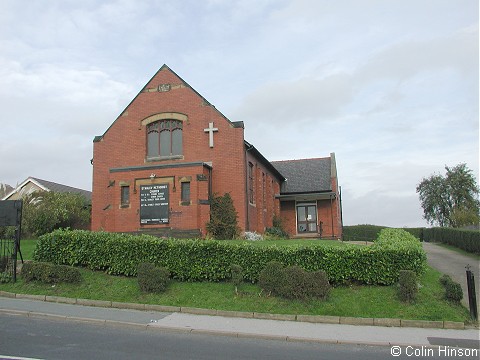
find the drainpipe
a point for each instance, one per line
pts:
(331, 215)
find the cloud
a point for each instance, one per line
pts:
(380, 209)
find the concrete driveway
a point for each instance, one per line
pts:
(452, 263)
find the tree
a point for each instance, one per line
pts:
(450, 200)
(46, 211)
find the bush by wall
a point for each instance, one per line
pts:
(152, 278)
(50, 273)
(468, 240)
(223, 224)
(207, 260)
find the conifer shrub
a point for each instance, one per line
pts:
(408, 288)
(223, 224)
(50, 273)
(152, 278)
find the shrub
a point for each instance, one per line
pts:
(152, 278)
(277, 230)
(445, 279)
(44, 211)
(408, 287)
(223, 224)
(270, 278)
(453, 290)
(317, 284)
(293, 283)
(50, 273)
(236, 276)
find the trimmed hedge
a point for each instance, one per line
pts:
(371, 232)
(468, 240)
(361, 232)
(208, 260)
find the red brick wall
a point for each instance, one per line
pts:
(124, 145)
(266, 186)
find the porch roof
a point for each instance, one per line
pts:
(327, 195)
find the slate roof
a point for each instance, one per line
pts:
(305, 176)
(52, 186)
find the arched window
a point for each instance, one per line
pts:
(164, 138)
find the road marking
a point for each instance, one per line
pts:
(4, 357)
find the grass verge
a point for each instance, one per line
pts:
(355, 301)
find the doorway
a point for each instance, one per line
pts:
(307, 218)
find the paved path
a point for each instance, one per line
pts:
(453, 263)
(241, 327)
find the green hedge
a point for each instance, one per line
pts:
(208, 260)
(361, 232)
(468, 240)
(370, 232)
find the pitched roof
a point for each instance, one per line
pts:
(305, 175)
(52, 186)
(165, 67)
(55, 187)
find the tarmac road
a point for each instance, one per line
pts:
(453, 263)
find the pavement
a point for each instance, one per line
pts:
(242, 327)
(453, 263)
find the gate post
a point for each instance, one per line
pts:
(472, 295)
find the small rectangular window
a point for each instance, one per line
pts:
(185, 193)
(124, 196)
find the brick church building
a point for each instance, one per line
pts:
(156, 166)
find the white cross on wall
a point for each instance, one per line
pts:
(210, 131)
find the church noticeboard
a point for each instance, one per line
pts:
(154, 204)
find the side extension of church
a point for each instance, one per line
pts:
(156, 166)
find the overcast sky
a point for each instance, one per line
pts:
(390, 86)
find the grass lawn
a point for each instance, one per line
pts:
(356, 301)
(26, 247)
